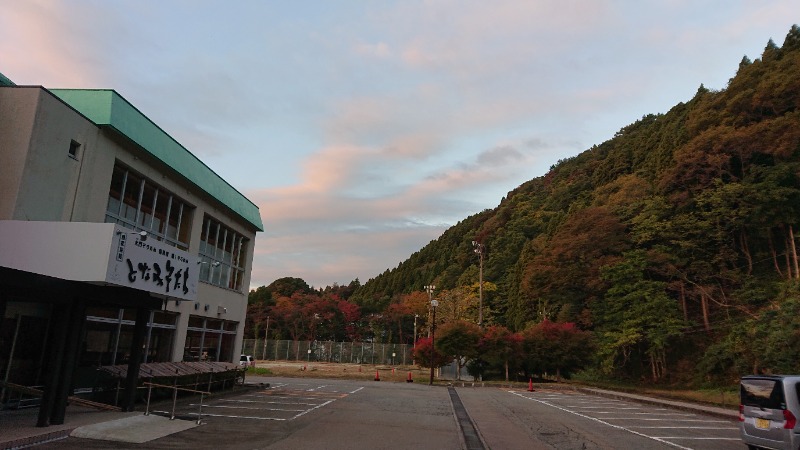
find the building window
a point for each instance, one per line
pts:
(74, 148)
(222, 255)
(139, 204)
(109, 333)
(209, 340)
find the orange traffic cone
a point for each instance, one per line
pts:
(409, 380)
(530, 384)
(377, 376)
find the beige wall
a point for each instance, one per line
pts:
(19, 104)
(50, 175)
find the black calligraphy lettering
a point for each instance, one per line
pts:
(169, 271)
(178, 279)
(185, 278)
(144, 269)
(157, 275)
(131, 271)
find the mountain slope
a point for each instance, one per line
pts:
(685, 217)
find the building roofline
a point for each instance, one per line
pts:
(107, 108)
(4, 81)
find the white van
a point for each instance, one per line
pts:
(768, 412)
(247, 361)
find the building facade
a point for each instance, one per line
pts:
(117, 245)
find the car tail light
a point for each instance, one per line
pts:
(791, 420)
(741, 412)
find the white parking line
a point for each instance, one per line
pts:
(266, 402)
(289, 397)
(309, 410)
(643, 413)
(682, 428)
(702, 438)
(663, 441)
(607, 407)
(671, 420)
(242, 417)
(271, 403)
(253, 409)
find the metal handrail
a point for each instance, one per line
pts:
(175, 390)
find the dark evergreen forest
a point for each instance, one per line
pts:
(672, 245)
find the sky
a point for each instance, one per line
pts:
(364, 129)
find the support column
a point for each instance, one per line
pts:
(72, 347)
(58, 338)
(137, 344)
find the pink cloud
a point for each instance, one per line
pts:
(44, 42)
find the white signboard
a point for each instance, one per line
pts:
(142, 262)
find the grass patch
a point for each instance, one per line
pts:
(259, 371)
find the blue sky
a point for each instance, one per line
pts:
(364, 129)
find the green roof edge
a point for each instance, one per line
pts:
(4, 81)
(106, 107)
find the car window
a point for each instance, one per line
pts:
(797, 389)
(243, 358)
(763, 393)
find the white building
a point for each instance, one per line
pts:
(117, 245)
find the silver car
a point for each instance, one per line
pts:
(768, 411)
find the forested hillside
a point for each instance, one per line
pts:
(666, 253)
(674, 242)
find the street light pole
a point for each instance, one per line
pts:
(434, 304)
(414, 342)
(479, 248)
(430, 288)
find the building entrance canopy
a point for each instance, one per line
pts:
(99, 253)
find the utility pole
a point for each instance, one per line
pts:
(479, 249)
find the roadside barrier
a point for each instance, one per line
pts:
(175, 390)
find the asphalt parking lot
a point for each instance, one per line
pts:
(281, 401)
(342, 414)
(676, 428)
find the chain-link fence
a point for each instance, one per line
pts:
(328, 351)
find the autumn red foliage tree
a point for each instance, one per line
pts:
(499, 346)
(555, 348)
(426, 356)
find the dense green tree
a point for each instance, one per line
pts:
(637, 315)
(260, 295)
(459, 340)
